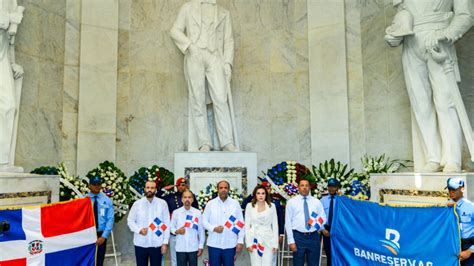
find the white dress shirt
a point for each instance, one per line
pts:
(193, 239)
(142, 214)
(217, 213)
(295, 218)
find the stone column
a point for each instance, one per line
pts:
(97, 83)
(328, 81)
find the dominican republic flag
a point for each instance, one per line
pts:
(192, 222)
(234, 224)
(260, 249)
(316, 220)
(56, 234)
(158, 227)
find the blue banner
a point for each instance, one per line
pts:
(366, 233)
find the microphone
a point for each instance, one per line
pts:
(4, 227)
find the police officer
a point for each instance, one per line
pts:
(328, 202)
(465, 210)
(103, 216)
(174, 201)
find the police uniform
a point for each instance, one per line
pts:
(104, 217)
(465, 211)
(328, 202)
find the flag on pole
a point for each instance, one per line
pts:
(316, 220)
(56, 234)
(257, 246)
(158, 227)
(192, 222)
(234, 224)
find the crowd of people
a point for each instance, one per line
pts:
(159, 220)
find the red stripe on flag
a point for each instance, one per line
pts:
(15, 262)
(66, 218)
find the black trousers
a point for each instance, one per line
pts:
(470, 261)
(186, 258)
(101, 251)
(327, 249)
(142, 256)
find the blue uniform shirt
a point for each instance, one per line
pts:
(465, 210)
(106, 213)
(326, 201)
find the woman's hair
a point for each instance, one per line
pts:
(267, 196)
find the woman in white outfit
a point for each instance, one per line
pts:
(261, 228)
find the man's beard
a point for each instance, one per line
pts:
(149, 194)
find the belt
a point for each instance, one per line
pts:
(305, 233)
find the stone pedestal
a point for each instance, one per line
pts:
(27, 189)
(203, 168)
(415, 188)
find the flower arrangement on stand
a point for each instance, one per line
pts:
(332, 169)
(70, 187)
(210, 192)
(115, 186)
(162, 176)
(382, 164)
(371, 165)
(284, 178)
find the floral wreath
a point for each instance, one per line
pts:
(285, 176)
(162, 176)
(70, 187)
(114, 185)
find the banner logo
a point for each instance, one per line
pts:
(390, 242)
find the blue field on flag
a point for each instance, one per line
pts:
(81, 256)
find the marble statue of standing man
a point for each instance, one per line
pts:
(203, 33)
(10, 16)
(428, 30)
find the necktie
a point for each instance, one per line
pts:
(306, 213)
(331, 205)
(96, 212)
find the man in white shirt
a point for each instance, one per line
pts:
(186, 224)
(149, 220)
(303, 219)
(223, 220)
